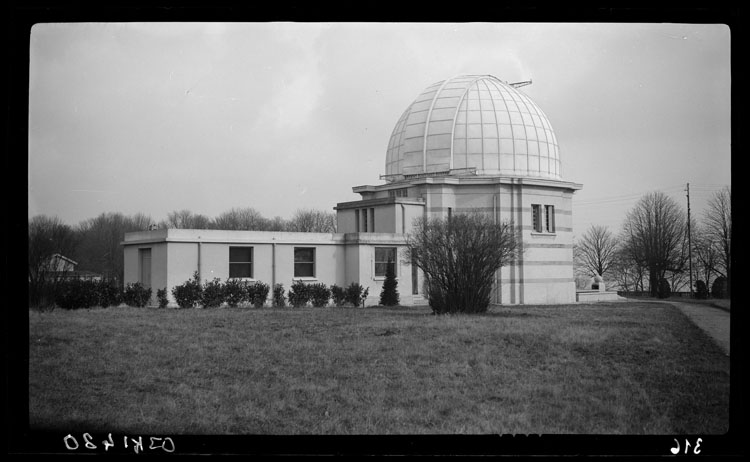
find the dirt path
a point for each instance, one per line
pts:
(712, 320)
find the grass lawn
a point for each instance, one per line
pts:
(619, 368)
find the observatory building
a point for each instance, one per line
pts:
(472, 143)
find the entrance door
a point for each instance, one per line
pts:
(145, 262)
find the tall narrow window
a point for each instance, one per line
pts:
(240, 262)
(144, 277)
(549, 212)
(304, 262)
(364, 221)
(536, 217)
(356, 220)
(384, 257)
(450, 213)
(372, 220)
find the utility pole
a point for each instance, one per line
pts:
(690, 246)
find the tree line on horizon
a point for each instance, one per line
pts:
(95, 243)
(652, 252)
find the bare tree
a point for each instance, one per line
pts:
(243, 219)
(596, 251)
(100, 238)
(706, 255)
(48, 236)
(312, 221)
(718, 228)
(459, 258)
(185, 219)
(654, 235)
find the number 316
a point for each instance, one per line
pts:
(696, 450)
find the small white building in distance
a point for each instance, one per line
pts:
(472, 143)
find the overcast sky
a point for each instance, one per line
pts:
(151, 118)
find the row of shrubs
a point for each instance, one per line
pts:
(235, 293)
(718, 288)
(75, 294)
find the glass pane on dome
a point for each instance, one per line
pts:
(446, 102)
(475, 160)
(531, 132)
(461, 117)
(416, 130)
(473, 117)
(521, 164)
(474, 146)
(533, 148)
(544, 164)
(502, 116)
(459, 131)
(442, 114)
(506, 162)
(520, 146)
(515, 118)
(459, 146)
(442, 126)
(438, 141)
(474, 131)
(490, 146)
(459, 158)
(473, 105)
(506, 146)
(505, 131)
(491, 161)
(488, 117)
(534, 164)
(489, 130)
(519, 132)
(417, 117)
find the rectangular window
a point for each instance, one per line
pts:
(144, 255)
(364, 220)
(240, 262)
(450, 213)
(536, 217)
(384, 256)
(304, 262)
(372, 220)
(549, 212)
(356, 220)
(398, 192)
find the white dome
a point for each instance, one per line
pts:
(473, 122)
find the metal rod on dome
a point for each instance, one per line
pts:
(520, 84)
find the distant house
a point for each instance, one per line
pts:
(61, 267)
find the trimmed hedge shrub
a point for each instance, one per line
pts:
(338, 295)
(161, 297)
(319, 294)
(299, 294)
(719, 287)
(188, 294)
(257, 293)
(278, 295)
(75, 294)
(235, 292)
(136, 294)
(663, 290)
(212, 294)
(109, 294)
(356, 294)
(701, 291)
